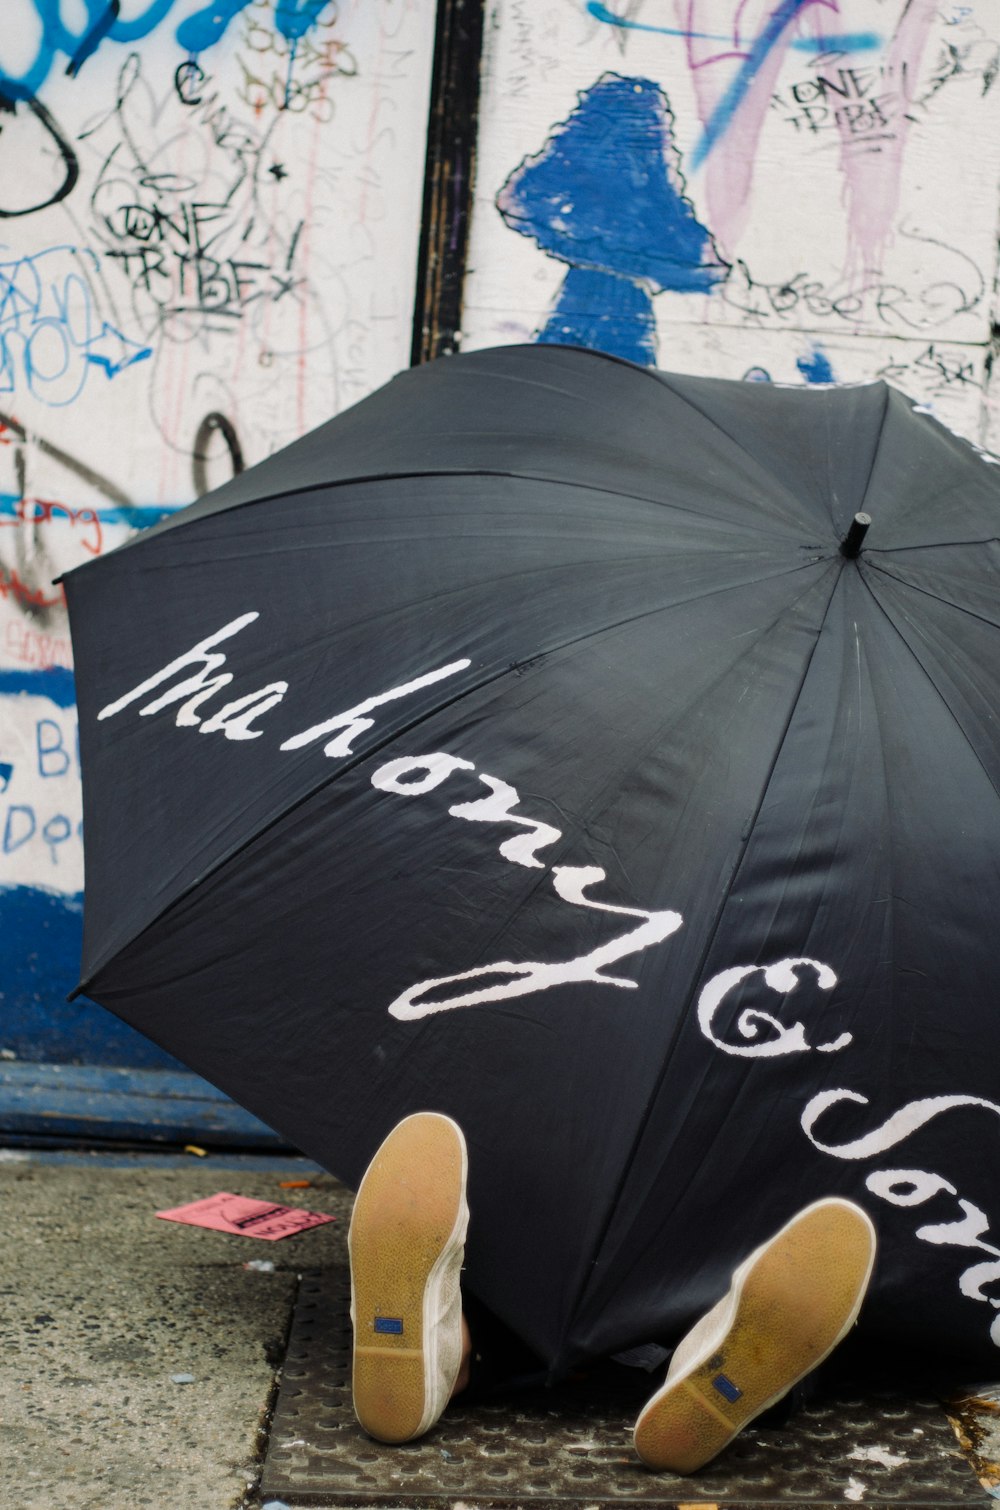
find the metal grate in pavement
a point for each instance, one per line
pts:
(573, 1444)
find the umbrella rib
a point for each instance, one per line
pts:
(930, 545)
(595, 811)
(698, 513)
(875, 453)
(376, 749)
(643, 1121)
(175, 520)
(663, 378)
(935, 596)
(953, 715)
(738, 443)
(574, 566)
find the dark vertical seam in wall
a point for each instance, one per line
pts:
(448, 179)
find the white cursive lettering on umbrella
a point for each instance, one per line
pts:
(195, 688)
(234, 718)
(570, 881)
(415, 775)
(355, 721)
(912, 1187)
(790, 1039)
(892, 1131)
(397, 776)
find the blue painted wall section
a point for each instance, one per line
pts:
(605, 195)
(41, 927)
(40, 935)
(62, 44)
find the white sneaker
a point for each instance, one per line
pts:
(406, 1244)
(788, 1306)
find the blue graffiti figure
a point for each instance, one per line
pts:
(606, 196)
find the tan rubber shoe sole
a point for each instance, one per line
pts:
(406, 1242)
(792, 1302)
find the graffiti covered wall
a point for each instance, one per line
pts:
(794, 190)
(209, 223)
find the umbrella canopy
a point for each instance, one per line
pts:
(523, 745)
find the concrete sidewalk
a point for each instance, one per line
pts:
(105, 1309)
(143, 1359)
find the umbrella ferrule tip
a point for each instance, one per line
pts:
(850, 546)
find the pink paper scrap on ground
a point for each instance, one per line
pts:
(245, 1218)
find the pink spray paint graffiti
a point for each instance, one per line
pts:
(735, 62)
(870, 110)
(733, 83)
(871, 179)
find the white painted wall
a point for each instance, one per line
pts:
(234, 233)
(846, 164)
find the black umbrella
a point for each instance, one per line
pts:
(525, 744)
